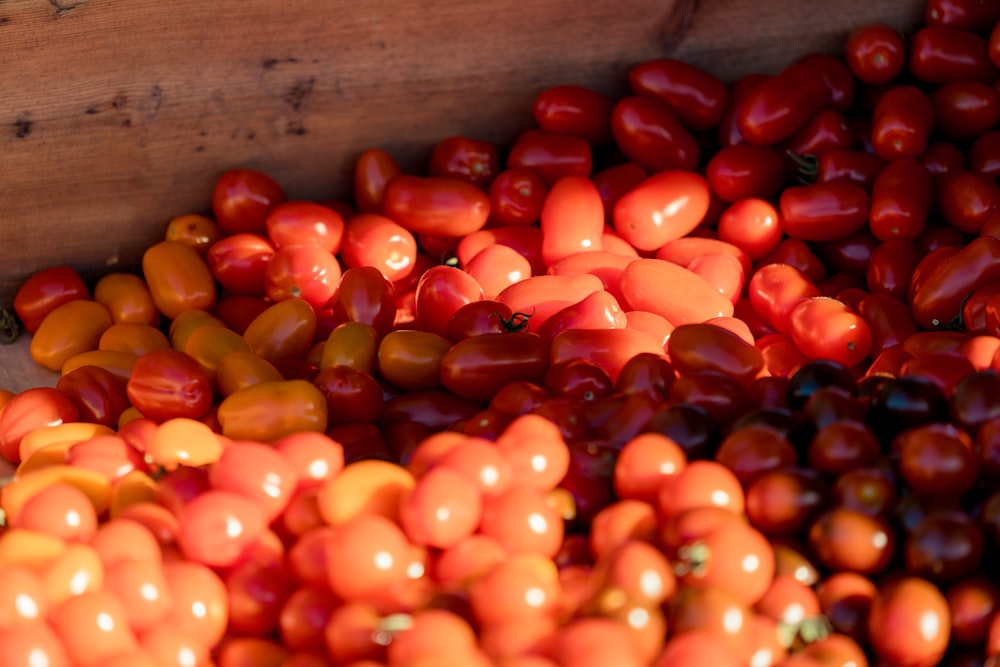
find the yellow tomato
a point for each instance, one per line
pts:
(127, 298)
(71, 329)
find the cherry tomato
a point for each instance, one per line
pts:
(516, 196)
(648, 132)
(68, 330)
(198, 231)
(699, 346)
(551, 155)
(823, 211)
(598, 310)
(575, 111)
(166, 383)
(690, 298)
(854, 166)
(914, 608)
(46, 290)
(305, 223)
(963, 14)
(615, 181)
(875, 53)
(984, 156)
(266, 411)
(93, 627)
(902, 197)
(697, 98)
(464, 158)
(941, 54)
(375, 240)
(373, 170)
(664, 207)
(752, 225)
(286, 330)
(734, 557)
(825, 328)
(902, 123)
(689, 251)
(936, 297)
(965, 109)
(776, 108)
(178, 278)
(774, 291)
(496, 268)
(306, 272)
(242, 198)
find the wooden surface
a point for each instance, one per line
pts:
(117, 116)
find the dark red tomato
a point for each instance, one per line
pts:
(98, 394)
(695, 347)
(823, 211)
(891, 268)
(888, 318)
(575, 111)
(648, 132)
(436, 205)
(578, 379)
(836, 75)
(610, 349)
(728, 132)
(242, 199)
(994, 46)
(965, 109)
(613, 182)
(471, 160)
(166, 383)
(478, 366)
(572, 218)
(239, 262)
(697, 98)
(305, 272)
(944, 55)
(776, 108)
(31, 409)
(46, 290)
(851, 254)
(483, 316)
(984, 156)
(775, 289)
(942, 156)
(435, 408)
(516, 197)
(373, 170)
(752, 225)
(371, 239)
(741, 171)
(442, 290)
(305, 223)
(902, 198)
(237, 311)
(552, 156)
(666, 206)
(966, 199)
(854, 166)
(365, 295)
(799, 254)
(902, 123)
(825, 328)
(938, 298)
(827, 130)
(929, 261)
(975, 15)
(875, 53)
(351, 395)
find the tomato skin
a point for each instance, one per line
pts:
(664, 207)
(242, 198)
(744, 170)
(943, 55)
(178, 278)
(286, 330)
(775, 109)
(98, 394)
(891, 268)
(572, 218)
(695, 347)
(875, 53)
(901, 200)
(649, 133)
(752, 225)
(198, 231)
(775, 289)
(550, 155)
(516, 196)
(440, 292)
(525, 239)
(914, 608)
(902, 123)
(371, 239)
(575, 111)
(836, 75)
(30, 409)
(44, 291)
(267, 411)
(305, 223)
(466, 159)
(965, 109)
(962, 14)
(938, 298)
(827, 130)
(306, 272)
(984, 156)
(373, 170)
(166, 383)
(365, 295)
(823, 211)
(478, 366)
(610, 349)
(70, 329)
(854, 166)
(411, 359)
(825, 328)
(599, 310)
(540, 297)
(728, 132)
(688, 250)
(966, 199)
(239, 262)
(436, 205)
(696, 97)
(689, 299)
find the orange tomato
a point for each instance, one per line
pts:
(127, 298)
(197, 231)
(353, 344)
(241, 369)
(178, 278)
(285, 330)
(183, 441)
(411, 359)
(22, 488)
(209, 344)
(133, 338)
(187, 323)
(71, 329)
(369, 486)
(30, 548)
(269, 410)
(119, 363)
(66, 433)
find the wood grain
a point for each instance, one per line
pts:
(117, 116)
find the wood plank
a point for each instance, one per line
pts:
(118, 116)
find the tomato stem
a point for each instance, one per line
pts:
(808, 166)
(9, 327)
(516, 323)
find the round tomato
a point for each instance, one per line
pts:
(875, 53)
(516, 196)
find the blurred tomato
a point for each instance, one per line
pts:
(44, 291)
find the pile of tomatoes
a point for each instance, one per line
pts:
(707, 374)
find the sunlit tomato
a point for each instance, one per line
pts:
(751, 225)
(516, 196)
(941, 55)
(496, 267)
(610, 349)
(875, 53)
(649, 133)
(167, 383)
(242, 198)
(776, 108)
(436, 205)
(664, 207)
(286, 330)
(440, 292)
(689, 251)
(178, 278)
(825, 328)
(98, 394)
(471, 160)
(305, 223)
(551, 155)
(914, 608)
(69, 329)
(239, 262)
(207, 345)
(127, 299)
(525, 239)
(351, 344)
(93, 626)
(306, 272)
(575, 111)
(477, 366)
(375, 240)
(269, 410)
(902, 197)
(541, 296)
(44, 291)
(690, 297)
(599, 310)
(373, 170)
(572, 218)
(775, 289)
(823, 211)
(697, 97)
(198, 231)
(902, 123)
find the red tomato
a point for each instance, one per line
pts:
(242, 199)
(496, 268)
(689, 299)
(166, 383)
(775, 289)
(745, 170)
(966, 199)
(697, 98)
(914, 608)
(605, 265)
(441, 291)
(695, 347)
(752, 225)
(479, 317)
(525, 239)
(937, 295)
(365, 295)
(46, 290)
(984, 156)
(551, 155)
(540, 297)
(689, 249)
(836, 75)
(575, 111)
(854, 166)
(942, 156)
(774, 110)
(373, 170)
(98, 394)
(599, 310)
(436, 205)
(31, 409)
(610, 349)
(889, 319)
(825, 328)
(901, 200)
(891, 267)
(875, 53)
(944, 55)
(799, 254)
(827, 130)
(613, 182)
(218, 526)
(902, 123)
(516, 197)
(648, 132)
(305, 223)
(371, 239)
(664, 207)
(239, 262)
(467, 159)
(965, 109)
(971, 15)
(305, 272)
(728, 132)
(823, 211)
(572, 218)
(478, 366)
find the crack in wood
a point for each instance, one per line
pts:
(63, 7)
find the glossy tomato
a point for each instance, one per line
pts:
(902, 123)
(875, 53)
(242, 198)
(825, 328)
(178, 278)
(464, 158)
(306, 272)
(776, 108)
(744, 170)
(371, 239)
(478, 366)
(516, 196)
(44, 291)
(551, 155)
(901, 200)
(695, 96)
(70, 329)
(941, 54)
(305, 223)
(663, 207)
(576, 111)
(823, 211)
(167, 383)
(649, 133)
